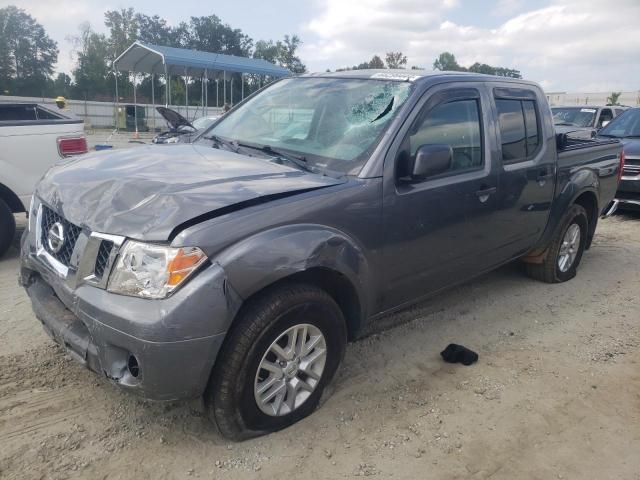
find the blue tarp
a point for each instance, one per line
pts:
(146, 58)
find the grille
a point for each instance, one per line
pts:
(71, 233)
(102, 260)
(631, 170)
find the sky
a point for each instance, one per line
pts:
(565, 45)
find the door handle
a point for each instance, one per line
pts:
(484, 193)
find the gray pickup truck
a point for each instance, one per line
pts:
(238, 267)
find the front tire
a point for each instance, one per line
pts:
(565, 251)
(283, 350)
(7, 227)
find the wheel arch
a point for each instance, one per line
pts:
(311, 254)
(572, 194)
(11, 199)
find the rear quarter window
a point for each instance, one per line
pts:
(15, 113)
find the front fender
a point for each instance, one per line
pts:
(269, 256)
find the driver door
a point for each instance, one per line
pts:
(430, 222)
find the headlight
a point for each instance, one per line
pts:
(175, 139)
(31, 214)
(153, 271)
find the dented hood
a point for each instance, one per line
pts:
(146, 192)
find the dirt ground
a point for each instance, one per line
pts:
(555, 394)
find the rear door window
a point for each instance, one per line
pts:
(511, 120)
(519, 129)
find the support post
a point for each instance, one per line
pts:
(186, 95)
(224, 87)
(242, 87)
(166, 88)
(231, 83)
(153, 100)
(206, 92)
(135, 106)
(115, 75)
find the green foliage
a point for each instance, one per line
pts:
(396, 60)
(288, 57)
(27, 54)
(614, 98)
(376, 62)
(92, 70)
(447, 61)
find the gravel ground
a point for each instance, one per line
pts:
(555, 394)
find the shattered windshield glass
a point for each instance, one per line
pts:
(332, 123)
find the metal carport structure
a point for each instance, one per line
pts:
(170, 61)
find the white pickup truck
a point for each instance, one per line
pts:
(32, 138)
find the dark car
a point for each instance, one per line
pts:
(181, 130)
(627, 128)
(237, 267)
(583, 121)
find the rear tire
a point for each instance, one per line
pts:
(7, 227)
(244, 398)
(563, 257)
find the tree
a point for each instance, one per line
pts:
(288, 57)
(613, 98)
(395, 60)
(155, 30)
(27, 54)
(92, 70)
(267, 50)
(447, 61)
(123, 30)
(499, 71)
(62, 85)
(209, 34)
(376, 62)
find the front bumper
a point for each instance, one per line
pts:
(159, 349)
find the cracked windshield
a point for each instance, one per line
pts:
(331, 124)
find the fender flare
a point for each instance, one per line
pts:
(584, 181)
(265, 258)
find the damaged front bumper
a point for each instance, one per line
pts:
(159, 349)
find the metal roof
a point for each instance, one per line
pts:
(147, 58)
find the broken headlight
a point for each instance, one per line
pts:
(153, 271)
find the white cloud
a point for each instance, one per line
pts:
(569, 45)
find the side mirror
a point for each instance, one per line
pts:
(432, 160)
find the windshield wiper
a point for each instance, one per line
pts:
(607, 135)
(221, 141)
(569, 124)
(298, 161)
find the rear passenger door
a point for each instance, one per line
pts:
(528, 169)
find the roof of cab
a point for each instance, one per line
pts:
(413, 75)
